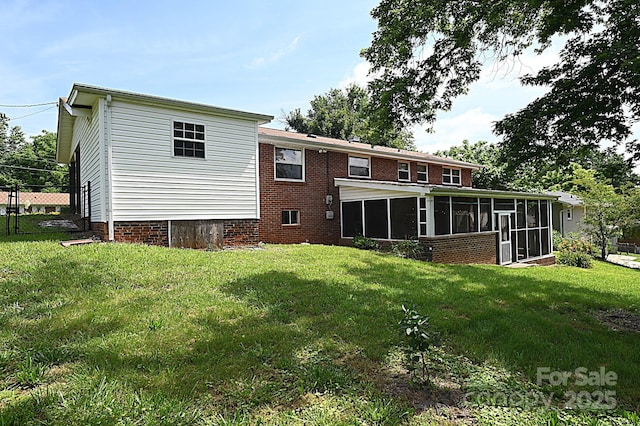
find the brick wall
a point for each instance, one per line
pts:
(543, 261)
(307, 197)
(240, 232)
(154, 233)
(101, 230)
(466, 177)
(465, 248)
(435, 174)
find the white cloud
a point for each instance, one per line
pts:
(473, 124)
(359, 76)
(276, 54)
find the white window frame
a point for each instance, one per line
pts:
(289, 216)
(407, 171)
(452, 176)
(426, 172)
(175, 139)
(426, 216)
(570, 213)
(362, 157)
(275, 172)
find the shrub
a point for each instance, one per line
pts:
(419, 338)
(570, 258)
(410, 249)
(557, 238)
(365, 243)
(574, 251)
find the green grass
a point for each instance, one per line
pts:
(130, 334)
(29, 230)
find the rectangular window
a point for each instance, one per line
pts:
(375, 219)
(450, 176)
(532, 214)
(465, 213)
(290, 217)
(522, 244)
(403, 218)
(544, 213)
(533, 242)
(520, 215)
(423, 173)
(442, 215)
(351, 218)
(289, 164)
(359, 167)
(422, 218)
(570, 213)
(188, 139)
(503, 204)
(403, 171)
(485, 214)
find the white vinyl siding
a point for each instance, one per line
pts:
(149, 183)
(86, 133)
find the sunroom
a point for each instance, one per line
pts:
(459, 225)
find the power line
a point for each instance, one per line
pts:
(31, 168)
(27, 105)
(29, 115)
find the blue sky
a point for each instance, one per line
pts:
(258, 56)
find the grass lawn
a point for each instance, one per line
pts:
(129, 334)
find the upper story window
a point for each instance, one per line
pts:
(423, 173)
(359, 167)
(188, 139)
(403, 171)
(289, 164)
(451, 176)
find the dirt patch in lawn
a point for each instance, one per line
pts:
(620, 320)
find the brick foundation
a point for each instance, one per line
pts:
(155, 233)
(543, 261)
(236, 232)
(101, 230)
(241, 232)
(464, 248)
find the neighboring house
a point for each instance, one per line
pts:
(36, 202)
(168, 172)
(567, 213)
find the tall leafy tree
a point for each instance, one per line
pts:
(343, 114)
(607, 211)
(427, 52)
(31, 165)
(493, 174)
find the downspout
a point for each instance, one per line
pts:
(108, 144)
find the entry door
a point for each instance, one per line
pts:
(505, 238)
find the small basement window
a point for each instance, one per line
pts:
(290, 217)
(188, 139)
(450, 176)
(422, 173)
(403, 171)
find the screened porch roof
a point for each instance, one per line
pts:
(436, 190)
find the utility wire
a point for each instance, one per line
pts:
(29, 115)
(31, 168)
(27, 105)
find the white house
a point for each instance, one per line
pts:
(160, 171)
(567, 213)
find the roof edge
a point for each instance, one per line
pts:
(401, 154)
(96, 90)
